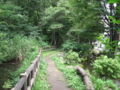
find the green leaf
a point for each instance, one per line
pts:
(119, 30)
(112, 1)
(113, 19)
(114, 42)
(1, 10)
(118, 21)
(118, 7)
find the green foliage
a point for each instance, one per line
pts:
(108, 45)
(73, 57)
(101, 84)
(114, 20)
(107, 67)
(11, 17)
(3, 47)
(68, 44)
(14, 20)
(43, 44)
(85, 15)
(16, 48)
(7, 84)
(24, 65)
(41, 82)
(74, 81)
(113, 1)
(82, 48)
(55, 24)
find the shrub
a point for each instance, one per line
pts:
(3, 47)
(107, 67)
(17, 47)
(70, 45)
(84, 48)
(100, 84)
(72, 57)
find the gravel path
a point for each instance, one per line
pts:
(55, 77)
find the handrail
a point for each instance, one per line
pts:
(48, 48)
(27, 79)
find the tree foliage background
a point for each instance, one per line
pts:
(67, 23)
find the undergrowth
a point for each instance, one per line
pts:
(24, 65)
(74, 81)
(102, 83)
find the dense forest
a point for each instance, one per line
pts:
(71, 25)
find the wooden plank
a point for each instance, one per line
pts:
(28, 71)
(20, 84)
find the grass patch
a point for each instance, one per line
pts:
(73, 79)
(41, 78)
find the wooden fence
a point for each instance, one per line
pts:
(48, 48)
(27, 79)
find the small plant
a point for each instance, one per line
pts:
(102, 84)
(7, 85)
(107, 67)
(72, 57)
(68, 45)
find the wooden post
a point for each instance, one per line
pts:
(29, 80)
(38, 62)
(25, 84)
(34, 69)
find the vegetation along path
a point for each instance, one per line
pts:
(55, 77)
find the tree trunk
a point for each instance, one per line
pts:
(113, 32)
(78, 39)
(54, 39)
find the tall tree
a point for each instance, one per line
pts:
(108, 12)
(86, 19)
(55, 24)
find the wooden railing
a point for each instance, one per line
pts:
(27, 79)
(48, 48)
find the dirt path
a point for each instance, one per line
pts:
(55, 77)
